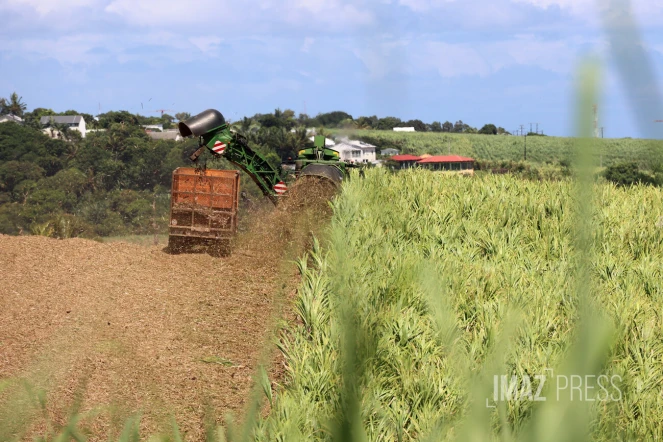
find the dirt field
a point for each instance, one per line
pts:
(134, 329)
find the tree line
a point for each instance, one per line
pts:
(286, 119)
(342, 120)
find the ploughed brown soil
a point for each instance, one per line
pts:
(129, 328)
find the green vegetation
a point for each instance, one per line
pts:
(628, 174)
(511, 148)
(111, 183)
(445, 282)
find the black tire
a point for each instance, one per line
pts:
(323, 171)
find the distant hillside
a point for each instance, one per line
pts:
(500, 147)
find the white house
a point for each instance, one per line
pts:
(389, 152)
(74, 122)
(153, 126)
(404, 129)
(356, 151)
(348, 152)
(10, 117)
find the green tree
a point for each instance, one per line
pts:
(13, 105)
(347, 124)
(488, 129)
(304, 120)
(447, 127)
(388, 123)
(332, 119)
(418, 125)
(122, 117)
(13, 172)
(436, 126)
(367, 122)
(627, 174)
(460, 127)
(182, 116)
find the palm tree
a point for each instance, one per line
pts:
(14, 105)
(63, 129)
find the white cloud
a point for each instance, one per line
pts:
(91, 49)
(326, 16)
(67, 50)
(225, 15)
(207, 44)
(646, 12)
(526, 50)
(308, 42)
(382, 58)
(44, 7)
(163, 13)
(423, 5)
(452, 60)
(481, 59)
(574, 6)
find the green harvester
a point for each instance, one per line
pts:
(216, 135)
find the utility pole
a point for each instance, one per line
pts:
(537, 128)
(522, 126)
(602, 132)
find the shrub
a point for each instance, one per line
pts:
(627, 174)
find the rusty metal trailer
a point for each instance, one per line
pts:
(203, 210)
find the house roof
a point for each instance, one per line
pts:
(405, 158)
(446, 159)
(345, 147)
(356, 143)
(61, 119)
(361, 144)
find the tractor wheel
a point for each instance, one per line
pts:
(323, 171)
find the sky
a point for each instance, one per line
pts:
(506, 62)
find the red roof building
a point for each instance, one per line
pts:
(446, 159)
(452, 163)
(406, 161)
(401, 158)
(437, 162)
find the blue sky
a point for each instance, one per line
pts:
(507, 62)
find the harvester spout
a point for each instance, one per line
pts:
(202, 123)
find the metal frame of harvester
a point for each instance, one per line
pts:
(216, 135)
